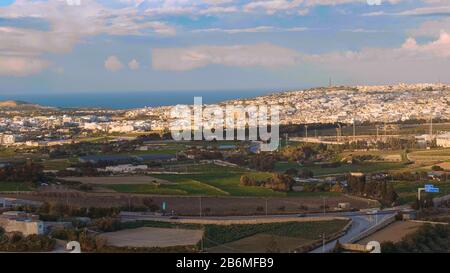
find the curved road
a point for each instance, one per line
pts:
(360, 223)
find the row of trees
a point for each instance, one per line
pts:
(380, 190)
(22, 172)
(277, 182)
(52, 211)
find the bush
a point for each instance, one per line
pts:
(107, 224)
(65, 234)
(428, 239)
(437, 168)
(16, 242)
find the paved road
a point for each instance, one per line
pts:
(360, 223)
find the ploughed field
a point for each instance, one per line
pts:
(153, 237)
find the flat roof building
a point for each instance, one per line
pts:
(18, 221)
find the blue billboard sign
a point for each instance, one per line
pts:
(432, 190)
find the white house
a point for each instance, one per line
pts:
(125, 168)
(443, 140)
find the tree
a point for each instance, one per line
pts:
(291, 171)
(337, 187)
(280, 182)
(244, 180)
(437, 168)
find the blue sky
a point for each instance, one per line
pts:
(157, 45)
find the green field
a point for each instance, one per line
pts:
(207, 179)
(217, 180)
(367, 167)
(14, 186)
(210, 180)
(222, 234)
(56, 164)
(182, 187)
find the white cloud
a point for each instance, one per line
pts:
(411, 60)
(134, 64)
(21, 66)
(273, 6)
(262, 55)
(422, 11)
(434, 10)
(113, 64)
(251, 30)
(432, 28)
(439, 48)
(409, 51)
(68, 26)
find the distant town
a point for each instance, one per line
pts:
(34, 125)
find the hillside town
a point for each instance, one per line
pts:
(346, 105)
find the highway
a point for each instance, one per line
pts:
(360, 223)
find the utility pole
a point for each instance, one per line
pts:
(338, 132)
(200, 199)
(306, 131)
(323, 242)
(266, 207)
(431, 126)
(324, 206)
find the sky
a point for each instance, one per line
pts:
(58, 46)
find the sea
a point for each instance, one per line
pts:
(130, 100)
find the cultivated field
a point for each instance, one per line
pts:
(429, 157)
(366, 167)
(14, 186)
(262, 243)
(117, 180)
(394, 232)
(190, 205)
(273, 237)
(153, 237)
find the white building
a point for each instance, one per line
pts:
(125, 168)
(7, 139)
(16, 221)
(121, 129)
(443, 140)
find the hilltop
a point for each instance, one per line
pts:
(20, 105)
